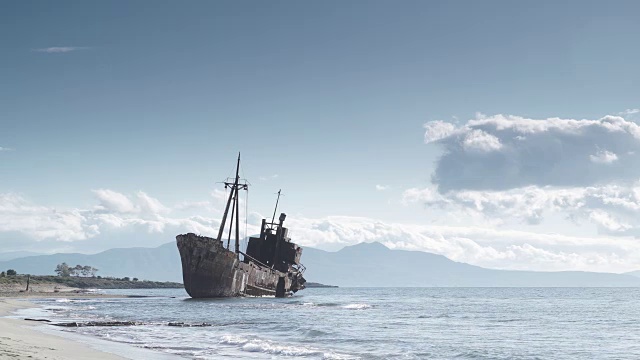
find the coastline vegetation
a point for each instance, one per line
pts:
(89, 282)
(318, 285)
(82, 277)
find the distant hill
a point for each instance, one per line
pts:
(158, 264)
(365, 264)
(634, 273)
(373, 264)
(15, 255)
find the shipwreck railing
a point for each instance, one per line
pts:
(301, 268)
(254, 259)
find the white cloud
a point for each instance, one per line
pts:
(525, 126)
(266, 178)
(525, 204)
(607, 221)
(191, 205)
(115, 202)
(481, 141)
(629, 112)
(29, 223)
(219, 196)
(481, 246)
(503, 168)
(382, 187)
(41, 222)
(111, 201)
(6, 149)
(117, 221)
(151, 205)
(59, 49)
(437, 130)
(415, 195)
(503, 152)
(614, 209)
(604, 157)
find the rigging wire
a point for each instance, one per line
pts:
(246, 209)
(246, 217)
(226, 196)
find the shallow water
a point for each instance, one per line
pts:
(376, 323)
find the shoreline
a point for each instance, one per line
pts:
(20, 339)
(25, 296)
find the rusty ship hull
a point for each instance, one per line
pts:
(209, 270)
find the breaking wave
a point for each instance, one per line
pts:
(357, 306)
(269, 347)
(362, 323)
(266, 346)
(65, 300)
(354, 306)
(327, 304)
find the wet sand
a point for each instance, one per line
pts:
(20, 339)
(46, 290)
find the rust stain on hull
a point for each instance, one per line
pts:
(209, 270)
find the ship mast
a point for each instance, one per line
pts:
(276, 209)
(235, 210)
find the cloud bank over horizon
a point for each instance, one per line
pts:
(121, 220)
(495, 170)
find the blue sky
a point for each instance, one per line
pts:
(329, 96)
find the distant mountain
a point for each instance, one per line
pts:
(373, 264)
(159, 264)
(365, 264)
(16, 254)
(633, 273)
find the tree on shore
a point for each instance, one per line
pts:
(2, 274)
(63, 270)
(11, 272)
(89, 270)
(78, 270)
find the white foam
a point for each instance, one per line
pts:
(266, 346)
(357, 306)
(63, 300)
(233, 340)
(334, 356)
(269, 347)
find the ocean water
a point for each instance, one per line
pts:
(375, 323)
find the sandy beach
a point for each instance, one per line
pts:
(17, 290)
(19, 339)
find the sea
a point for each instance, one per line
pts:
(370, 323)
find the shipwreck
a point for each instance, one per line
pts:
(269, 266)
